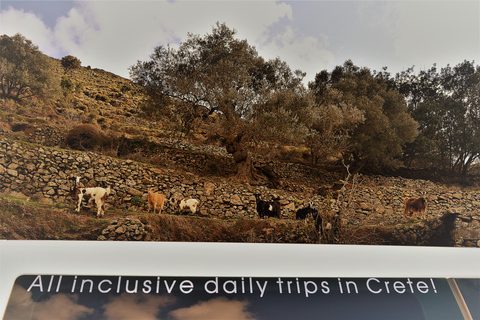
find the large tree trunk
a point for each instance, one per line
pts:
(246, 171)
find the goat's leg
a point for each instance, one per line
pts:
(161, 207)
(99, 207)
(103, 209)
(80, 198)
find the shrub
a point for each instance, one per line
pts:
(67, 84)
(83, 137)
(70, 62)
(92, 117)
(137, 201)
(101, 97)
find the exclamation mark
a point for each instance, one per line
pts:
(433, 285)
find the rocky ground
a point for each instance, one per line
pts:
(369, 207)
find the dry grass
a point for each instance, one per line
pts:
(33, 221)
(21, 219)
(194, 229)
(365, 235)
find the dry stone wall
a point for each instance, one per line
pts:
(379, 200)
(47, 174)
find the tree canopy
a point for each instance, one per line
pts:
(213, 73)
(377, 141)
(446, 104)
(24, 70)
(369, 119)
(217, 73)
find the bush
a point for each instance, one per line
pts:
(71, 62)
(137, 201)
(83, 137)
(67, 84)
(101, 97)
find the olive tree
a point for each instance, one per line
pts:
(377, 141)
(446, 104)
(24, 70)
(215, 73)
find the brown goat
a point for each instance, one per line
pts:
(155, 199)
(413, 205)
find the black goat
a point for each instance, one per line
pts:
(277, 208)
(268, 208)
(320, 225)
(303, 213)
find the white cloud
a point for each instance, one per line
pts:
(114, 35)
(30, 26)
(306, 53)
(20, 304)
(427, 32)
(57, 307)
(308, 35)
(215, 309)
(60, 307)
(127, 307)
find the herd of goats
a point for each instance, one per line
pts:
(98, 196)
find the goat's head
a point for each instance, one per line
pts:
(76, 186)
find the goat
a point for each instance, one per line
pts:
(185, 204)
(413, 205)
(320, 224)
(155, 199)
(268, 208)
(303, 213)
(95, 195)
(277, 208)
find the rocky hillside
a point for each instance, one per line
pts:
(36, 171)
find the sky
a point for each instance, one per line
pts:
(310, 35)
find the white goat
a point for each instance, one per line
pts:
(95, 195)
(185, 204)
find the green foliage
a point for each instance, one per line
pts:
(25, 71)
(83, 137)
(67, 84)
(330, 127)
(70, 62)
(137, 201)
(446, 105)
(376, 142)
(282, 118)
(214, 73)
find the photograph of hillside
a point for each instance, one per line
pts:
(209, 138)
